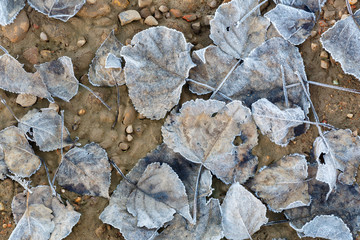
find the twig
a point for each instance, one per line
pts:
(61, 146)
(121, 173)
(196, 193)
(4, 49)
(48, 177)
(237, 24)
(25, 184)
(349, 7)
(3, 101)
(284, 86)
(208, 87)
(102, 101)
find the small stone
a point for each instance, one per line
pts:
(90, 1)
(31, 54)
(163, 9)
(81, 41)
(100, 230)
(129, 129)
(99, 9)
(352, 2)
(196, 27)
(129, 16)
(129, 138)
(63, 190)
(324, 64)
(4, 225)
(190, 17)
(332, 22)
(176, 13)
(335, 82)
(18, 29)
(212, 4)
(43, 36)
(350, 115)
(129, 116)
(2, 207)
(151, 21)
(54, 106)
(344, 16)
(144, 3)
(328, 15)
(207, 19)
(152, 9)
(145, 12)
(120, 3)
(124, 146)
(81, 112)
(45, 53)
(313, 33)
(26, 100)
(324, 55)
(157, 14)
(141, 117)
(167, 15)
(128, 41)
(77, 200)
(314, 46)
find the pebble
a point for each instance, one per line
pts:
(335, 82)
(54, 106)
(151, 21)
(26, 100)
(328, 15)
(129, 116)
(129, 138)
(163, 9)
(350, 115)
(2, 207)
(344, 16)
(145, 12)
(120, 3)
(141, 117)
(157, 14)
(352, 2)
(81, 112)
(324, 64)
(152, 9)
(45, 53)
(124, 146)
(77, 200)
(196, 27)
(81, 41)
(212, 4)
(129, 129)
(313, 33)
(31, 54)
(176, 13)
(324, 55)
(144, 3)
(91, 1)
(99, 9)
(207, 19)
(167, 15)
(63, 190)
(43, 36)
(128, 41)
(314, 46)
(18, 29)
(129, 16)
(190, 17)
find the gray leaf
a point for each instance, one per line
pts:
(204, 131)
(85, 171)
(293, 24)
(279, 125)
(343, 154)
(45, 128)
(261, 75)
(14, 78)
(58, 76)
(157, 63)
(312, 5)
(159, 194)
(9, 10)
(212, 65)
(106, 67)
(3, 167)
(243, 214)
(36, 223)
(236, 32)
(59, 9)
(283, 184)
(19, 157)
(341, 41)
(326, 226)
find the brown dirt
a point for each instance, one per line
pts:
(332, 106)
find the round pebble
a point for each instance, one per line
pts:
(81, 112)
(176, 13)
(129, 138)
(26, 100)
(129, 129)
(43, 36)
(2, 207)
(163, 9)
(129, 16)
(54, 106)
(151, 21)
(91, 1)
(324, 55)
(350, 115)
(81, 42)
(124, 146)
(324, 64)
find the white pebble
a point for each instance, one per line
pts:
(151, 21)
(81, 42)
(163, 9)
(129, 138)
(26, 100)
(43, 36)
(129, 129)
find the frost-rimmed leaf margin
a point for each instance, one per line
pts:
(13, 17)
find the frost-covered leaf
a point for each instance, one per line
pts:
(342, 42)
(36, 223)
(342, 152)
(58, 76)
(243, 213)
(116, 213)
(280, 125)
(265, 72)
(283, 184)
(312, 5)
(158, 195)
(3, 167)
(14, 78)
(59, 9)
(326, 226)
(86, 171)
(44, 127)
(19, 157)
(157, 63)
(204, 131)
(235, 31)
(106, 68)
(9, 10)
(212, 65)
(65, 218)
(293, 24)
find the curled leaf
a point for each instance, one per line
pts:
(283, 184)
(9, 10)
(85, 171)
(157, 63)
(204, 131)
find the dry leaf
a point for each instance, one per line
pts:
(293, 24)
(236, 32)
(59, 9)
(341, 41)
(106, 68)
(3, 167)
(204, 131)
(44, 128)
(243, 214)
(85, 171)
(279, 123)
(157, 63)
(312, 5)
(9, 10)
(283, 184)
(19, 157)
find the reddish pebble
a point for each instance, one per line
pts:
(176, 13)
(190, 17)
(36, 26)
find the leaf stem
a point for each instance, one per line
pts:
(3, 101)
(98, 97)
(196, 193)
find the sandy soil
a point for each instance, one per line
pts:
(95, 125)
